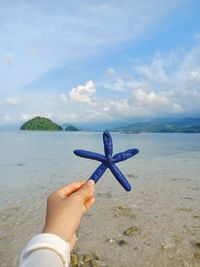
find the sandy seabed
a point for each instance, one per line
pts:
(156, 224)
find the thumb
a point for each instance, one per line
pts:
(87, 190)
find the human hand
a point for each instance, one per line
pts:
(65, 208)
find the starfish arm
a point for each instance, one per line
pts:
(89, 155)
(98, 173)
(125, 155)
(108, 146)
(120, 177)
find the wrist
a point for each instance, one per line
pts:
(59, 233)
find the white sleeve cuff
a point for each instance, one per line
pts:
(48, 241)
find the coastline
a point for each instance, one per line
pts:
(161, 215)
(163, 223)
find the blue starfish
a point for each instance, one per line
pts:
(108, 161)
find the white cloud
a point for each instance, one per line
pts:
(117, 107)
(143, 103)
(156, 103)
(120, 84)
(168, 85)
(83, 93)
(146, 96)
(159, 69)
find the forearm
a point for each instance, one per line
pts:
(45, 250)
(65, 208)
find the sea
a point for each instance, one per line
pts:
(34, 163)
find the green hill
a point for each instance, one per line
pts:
(40, 124)
(71, 128)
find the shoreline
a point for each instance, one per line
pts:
(150, 226)
(161, 215)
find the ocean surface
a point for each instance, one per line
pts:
(33, 164)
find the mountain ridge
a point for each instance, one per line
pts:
(185, 125)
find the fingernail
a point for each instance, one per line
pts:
(90, 182)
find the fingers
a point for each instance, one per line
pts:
(67, 190)
(89, 203)
(86, 191)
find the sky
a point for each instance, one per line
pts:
(85, 61)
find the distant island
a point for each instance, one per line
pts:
(41, 124)
(71, 128)
(187, 125)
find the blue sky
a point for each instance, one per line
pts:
(97, 61)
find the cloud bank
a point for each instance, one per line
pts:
(161, 87)
(38, 38)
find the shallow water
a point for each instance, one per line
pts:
(164, 203)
